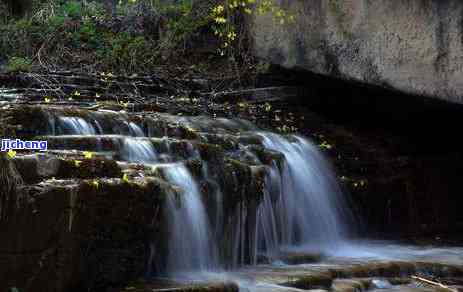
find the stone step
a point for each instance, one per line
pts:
(267, 94)
(136, 149)
(237, 180)
(364, 276)
(144, 149)
(172, 286)
(292, 258)
(34, 167)
(37, 167)
(35, 120)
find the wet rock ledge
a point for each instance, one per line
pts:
(90, 212)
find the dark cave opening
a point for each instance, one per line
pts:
(420, 189)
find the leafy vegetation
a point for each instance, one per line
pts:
(137, 35)
(229, 19)
(19, 64)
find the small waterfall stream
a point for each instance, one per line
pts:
(191, 245)
(310, 207)
(137, 150)
(76, 126)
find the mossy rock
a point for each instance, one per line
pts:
(31, 121)
(440, 270)
(250, 139)
(195, 166)
(375, 269)
(295, 258)
(314, 281)
(349, 285)
(89, 168)
(227, 142)
(268, 157)
(210, 152)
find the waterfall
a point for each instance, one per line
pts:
(310, 208)
(138, 150)
(135, 130)
(301, 205)
(76, 126)
(190, 239)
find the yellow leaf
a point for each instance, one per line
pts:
(11, 153)
(77, 163)
(95, 183)
(325, 145)
(47, 99)
(88, 155)
(268, 107)
(125, 178)
(124, 104)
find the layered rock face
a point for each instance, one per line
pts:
(411, 46)
(116, 195)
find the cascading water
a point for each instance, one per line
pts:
(309, 209)
(138, 150)
(76, 125)
(135, 130)
(302, 205)
(190, 237)
(191, 244)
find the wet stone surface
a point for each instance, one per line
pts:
(116, 172)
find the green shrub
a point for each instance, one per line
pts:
(87, 36)
(126, 52)
(72, 9)
(19, 64)
(66, 32)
